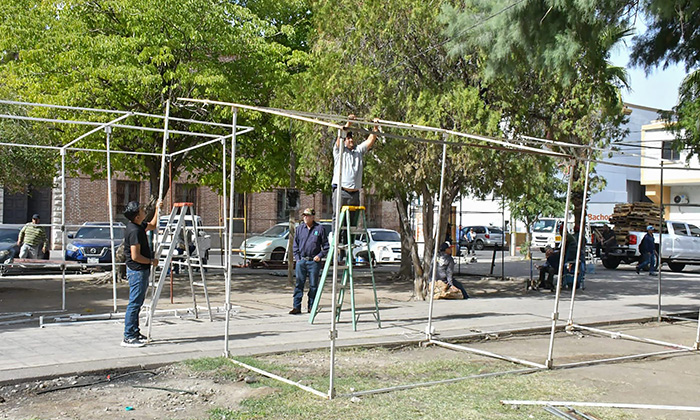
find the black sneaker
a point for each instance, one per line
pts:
(142, 337)
(133, 342)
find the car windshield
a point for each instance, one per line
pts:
(8, 235)
(99, 232)
(543, 226)
(386, 236)
(277, 231)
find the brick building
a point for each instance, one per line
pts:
(87, 201)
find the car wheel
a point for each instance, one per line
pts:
(374, 260)
(277, 254)
(611, 263)
(479, 245)
(676, 267)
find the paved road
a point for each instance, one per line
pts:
(262, 325)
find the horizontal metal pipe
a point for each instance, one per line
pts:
(617, 359)
(112, 111)
(487, 353)
(265, 110)
(603, 405)
(615, 334)
(279, 378)
(440, 382)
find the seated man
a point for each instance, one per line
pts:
(549, 268)
(445, 268)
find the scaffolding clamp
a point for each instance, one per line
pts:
(333, 334)
(555, 316)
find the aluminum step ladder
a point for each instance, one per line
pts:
(169, 237)
(347, 282)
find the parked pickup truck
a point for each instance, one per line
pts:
(681, 247)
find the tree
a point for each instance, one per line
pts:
(136, 55)
(546, 69)
(380, 59)
(673, 36)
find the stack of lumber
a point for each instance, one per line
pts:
(634, 217)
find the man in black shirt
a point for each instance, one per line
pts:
(139, 260)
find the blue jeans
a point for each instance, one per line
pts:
(648, 259)
(138, 285)
(304, 268)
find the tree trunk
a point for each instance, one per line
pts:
(410, 262)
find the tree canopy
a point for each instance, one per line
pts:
(137, 54)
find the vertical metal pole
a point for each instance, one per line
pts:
(562, 257)
(429, 328)
(162, 158)
(503, 235)
(64, 234)
(160, 195)
(333, 333)
(580, 238)
(661, 240)
(229, 226)
(225, 244)
(108, 132)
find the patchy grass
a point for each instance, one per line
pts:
(366, 369)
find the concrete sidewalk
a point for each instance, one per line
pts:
(262, 324)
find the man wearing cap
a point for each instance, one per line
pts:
(353, 165)
(648, 251)
(139, 260)
(445, 268)
(310, 246)
(32, 240)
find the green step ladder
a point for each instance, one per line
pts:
(347, 279)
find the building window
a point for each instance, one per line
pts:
(668, 152)
(126, 191)
(238, 205)
(282, 206)
(373, 210)
(326, 206)
(186, 193)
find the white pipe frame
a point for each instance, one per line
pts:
(333, 331)
(107, 126)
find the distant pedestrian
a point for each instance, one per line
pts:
(648, 251)
(32, 240)
(310, 246)
(139, 260)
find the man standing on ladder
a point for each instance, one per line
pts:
(351, 181)
(310, 246)
(139, 260)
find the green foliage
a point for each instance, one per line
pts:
(673, 36)
(546, 68)
(136, 54)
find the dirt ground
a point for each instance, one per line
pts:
(177, 392)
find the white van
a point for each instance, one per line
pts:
(546, 232)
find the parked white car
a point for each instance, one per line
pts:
(203, 240)
(270, 245)
(385, 246)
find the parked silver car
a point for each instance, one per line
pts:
(486, 236)
(270, 245)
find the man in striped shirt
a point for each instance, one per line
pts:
(32, 240)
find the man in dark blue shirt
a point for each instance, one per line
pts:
(648, 251)
(549, 269)
(310, 246)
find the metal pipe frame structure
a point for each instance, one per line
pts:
(429, 331)
(333, 333)
(107, 127)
